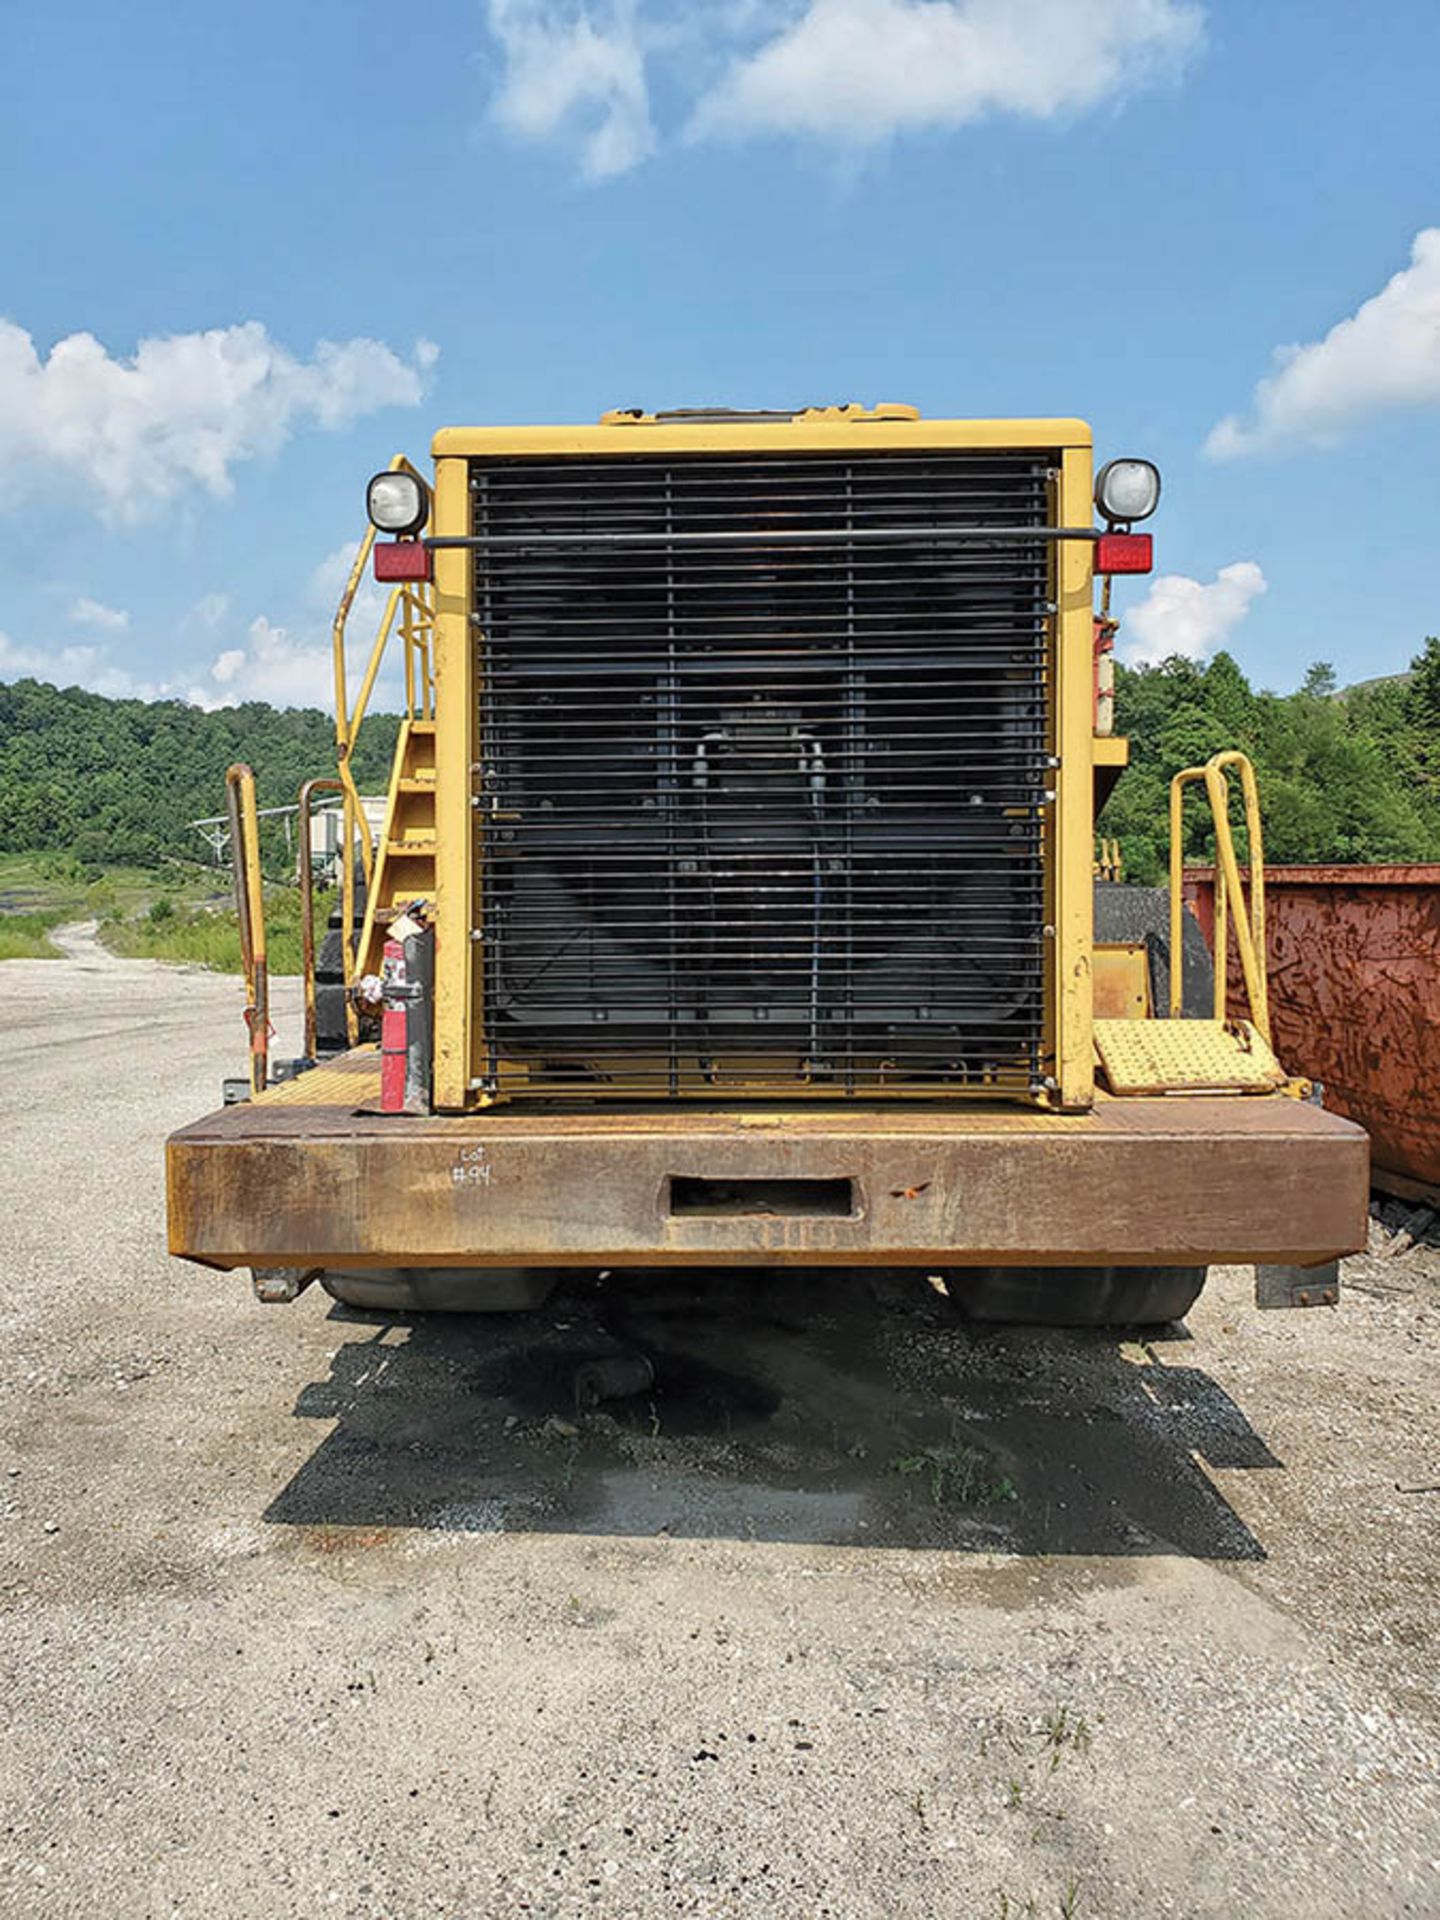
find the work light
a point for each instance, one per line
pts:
(1127, 490)
(397, 503)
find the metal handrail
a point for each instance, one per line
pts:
(413, 603)
(307, 905)
(1230, 895)
(753, 536)
(250, 912)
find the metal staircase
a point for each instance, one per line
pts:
(398, 869)
(404, 863)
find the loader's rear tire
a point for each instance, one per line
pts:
(443, 1289)
(1140, 916)
(332, 1033)
(1076, 1296)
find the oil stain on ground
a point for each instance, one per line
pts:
(844, 1409)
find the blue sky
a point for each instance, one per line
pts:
(534, 210)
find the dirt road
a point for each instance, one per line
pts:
(856, 1615)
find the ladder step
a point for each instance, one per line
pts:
(412, 784)
(408, 848)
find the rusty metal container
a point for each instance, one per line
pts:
(1354, 958)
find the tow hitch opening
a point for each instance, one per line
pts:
(796, 1199)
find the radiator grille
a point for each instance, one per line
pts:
(763, 759)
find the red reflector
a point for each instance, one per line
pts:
(401, 560)
(1118, 553)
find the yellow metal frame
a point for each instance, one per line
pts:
(1070, 819)
(1109, 860)
(1249, 915)
(413, 604)
(822, 430)
(457, 971)
(1122, 981)
(250, 913)
(307, 902)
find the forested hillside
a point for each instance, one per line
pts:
(117, 780)
(1351, 776)
(1344, 776)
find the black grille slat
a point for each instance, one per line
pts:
(764, 751)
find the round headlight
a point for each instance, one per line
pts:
(1127, 489)
(397, 503)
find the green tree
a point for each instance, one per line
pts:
(118, 781)
(1343, 776)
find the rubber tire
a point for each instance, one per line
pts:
(1076, 1296)
(1140, 916)
(332, 1034)
(443, 1289)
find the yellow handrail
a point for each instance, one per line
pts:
(250, 912)
(414, 605)
(1249, 915)
(307, 905)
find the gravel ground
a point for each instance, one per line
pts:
(857, 1614)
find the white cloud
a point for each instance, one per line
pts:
(1189, 617)
(293, 666)
(273, 664)
(1383, 359)
(208, 611)
(847, 71)
(97, 671)
(857, 71)
(297, 668)
(132, 435)
(286, 665)
(567, 70)
(88, 667)
(228, 666)
(94, 613)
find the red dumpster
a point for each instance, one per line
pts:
(1354, 957)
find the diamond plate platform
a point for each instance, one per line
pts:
(1185, 1056)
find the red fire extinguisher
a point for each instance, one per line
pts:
(405, 1034)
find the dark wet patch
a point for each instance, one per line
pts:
(837, 1409)
(687, 1397)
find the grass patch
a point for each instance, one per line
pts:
(958, 1476)
(180, 911)
(1064, 1732)
(206, 936)
(1067, 1907)
(65, 888)
(23, 936)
